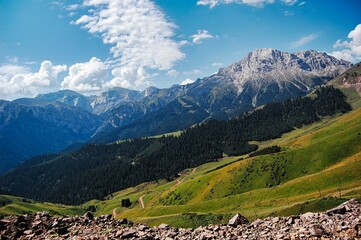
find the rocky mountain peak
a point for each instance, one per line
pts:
(268, 66)
(269, 59)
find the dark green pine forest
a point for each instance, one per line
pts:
(96, 171)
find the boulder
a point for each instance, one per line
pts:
(337, 210)
(88, 215)
(237, 219)
(129, 234)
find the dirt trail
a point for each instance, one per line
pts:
(141, 201)
(114, 213)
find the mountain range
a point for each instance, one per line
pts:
(52, 122)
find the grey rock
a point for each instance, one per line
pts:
(163, 226)
(88, 215)
(129, 234)
(337, 210)
(237, 219)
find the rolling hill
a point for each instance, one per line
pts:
(318, 166)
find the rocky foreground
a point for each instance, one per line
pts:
(342, 222)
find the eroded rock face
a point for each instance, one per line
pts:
(333, 224)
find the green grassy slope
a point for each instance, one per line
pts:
(318, 165)
(10, 205)
(353, 95)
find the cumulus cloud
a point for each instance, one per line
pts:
(187, 81)
(200, 36)
(304, 40)
(349, 50)
(213, 3)
(19, 81)
(130, 77)
(86, 77)
(140, 34)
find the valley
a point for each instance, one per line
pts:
(180, 120)
(309, 183)
(296, 180)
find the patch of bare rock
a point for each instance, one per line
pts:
(342, 222)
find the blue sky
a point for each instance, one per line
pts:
(92, 45)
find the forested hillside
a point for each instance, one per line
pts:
(98, 170)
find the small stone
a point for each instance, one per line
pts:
(5, 220)
(28, 232)
(88, 215)
(119, 233)
(62, 230)
(36, 223)
(275, 220)
(123, 221)
(163, 226)
(316, 231)
(129, 234)
(280, 236)
(38, 232)
(142, 227)
(285, 229)
(307, 216)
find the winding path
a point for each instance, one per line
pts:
(114, 213)
(141, 201)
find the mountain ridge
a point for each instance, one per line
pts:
(263, 76)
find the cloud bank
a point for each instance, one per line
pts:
(139, 33)
(349, 50)
(19, 81)
(86, 77)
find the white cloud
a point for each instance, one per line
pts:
(173, 73)
(73, 7)
(140, 34)
(187, 81)
(192, 72)
(349, 50)
(345, 55)
(130, 77)
(288, 13)
(200, 36)
(217, 64)
(19, 81)
(213, 3)
(301, 3)
(290, 2)
(304, 40)
(86, 77)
